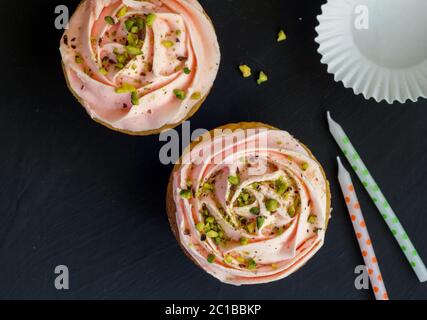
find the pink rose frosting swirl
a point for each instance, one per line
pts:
(140, 66)
(251, 208)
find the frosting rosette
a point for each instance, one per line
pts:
(248, 203)
(140, 66)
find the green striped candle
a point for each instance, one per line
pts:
(378, 198)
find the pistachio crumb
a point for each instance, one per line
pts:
(251, 264)
(150, 19)
(168, 43)
(210, 258)
(244, 241)
(186, 194)
(122, 12)
(262, 78)
(246, 70)
(272, 205)
(312, 219)
(196, 95)
(109, 20)
(180, 94)
(234, 180)
(281, 36)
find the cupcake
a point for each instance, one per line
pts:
(248, 203)
(140, 67)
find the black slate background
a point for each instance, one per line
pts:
(75, 193)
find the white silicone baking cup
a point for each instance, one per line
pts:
(385, 61)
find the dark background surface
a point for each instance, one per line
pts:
(75, 193)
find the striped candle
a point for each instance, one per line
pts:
(378, 198)
(362, 234)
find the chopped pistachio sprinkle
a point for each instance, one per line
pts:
(228, 258)
(244, 241)
(125, 88)
(180, 94)
(312, 219)
(200, 226)
(196, 95)
(251, 264)
(103, 71)
(109, 20)
(280, 186)
(210, 258)
(168, 43)
(281, 36)
(150, 19)
(246, 70)
(272, 205)
(251, 227)
(187, 70)
(133, 50)
(262, 78)
(185, 194)
(212, 234)
(178, 32)
(260, 221)
(129, 24)
(122, 12)
(304, 166)
(210, 219)
(254, 210)
(234, 180)
(291, 211)
(134, 98)
(78, 58)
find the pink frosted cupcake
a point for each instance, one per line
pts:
(140, 67)
(249, 203)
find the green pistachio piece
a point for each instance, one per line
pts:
(281, 36)
(291, 211)
(186, 194)
(129, 24)
(272, 205)
(262, 78)
(78, 58)
(133, 50)
(134, 29)
(180, 94)
(125, 88)
(200, 226)
(251, 264)
(186, 70)
(260, 221)
(251, 227)
(134, 98)
(150, 19)
(234, 180)
(312, 219)
(196, 96)
(122, 12)
(103, 71)
(210, 219)
(168, 43)
(244, 241)
(110, 20)
(246, 71)
(210, 258)
(304, 166)
(212, 234)
(254, 210)
(140, 23)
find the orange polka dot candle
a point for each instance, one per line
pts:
(379, 200)
(362, 233)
